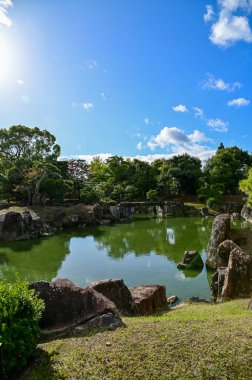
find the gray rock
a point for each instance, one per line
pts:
(20, 224)
(235, 280)
(220, 232)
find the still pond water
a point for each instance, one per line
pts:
(142, 252)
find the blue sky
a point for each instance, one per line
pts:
(133, 78)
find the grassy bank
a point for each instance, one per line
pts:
(195, 342)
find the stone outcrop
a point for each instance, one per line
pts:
(224, 250)
(220, 232)
(250, 305)
(246, 213)
(192, 260)
(235, 280)
(117, 292)
(67, 305)
(149, 299)
(20, 224)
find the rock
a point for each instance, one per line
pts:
(238, 277)
(250, 305)
(235, 280)
(149, 298)
(172, 299)
(204, 211)
(117, 292)
(220, 232)
(198, 300)
(67, 305)
(246, 213)
(20, 224)
(108, 321)
(192, 260)
(217, 283)
(224, 250)
(235, 216)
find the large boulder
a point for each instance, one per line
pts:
(224, 250)
(235, 280)
(220, 232)
(67, 305)
(191, 260)
(117, 292)
(149, 298)
(20, 224)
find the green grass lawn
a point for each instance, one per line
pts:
(195, 342)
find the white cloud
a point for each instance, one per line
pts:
(88, 106)
(200, 151)
(208, 16)
(231, 27)
(180, 108)
(238, 102)
(103, 96)
(211, 83)
(218, 125)
(146, 121)
(139, 146)
(4, 18)
(198, 112)
(174, 136)
(20, 82)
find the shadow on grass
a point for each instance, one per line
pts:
(39, 367)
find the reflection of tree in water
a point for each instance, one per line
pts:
(38, 259)
(143, 237)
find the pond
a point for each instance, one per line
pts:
(145, 251)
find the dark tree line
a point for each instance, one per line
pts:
(31, 172)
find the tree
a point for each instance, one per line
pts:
(246, 186)
(224, 170)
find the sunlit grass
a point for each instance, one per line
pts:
(195, 342)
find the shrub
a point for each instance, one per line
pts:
(211, 202)
(20, 311)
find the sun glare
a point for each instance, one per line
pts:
(7, 59)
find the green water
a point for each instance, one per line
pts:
(142, 252)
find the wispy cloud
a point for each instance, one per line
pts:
(208, 16)
(139, 146)
(180, 108)
(239, 102)
(88, 106)
(218, 125)
(232, 24)
(146, 121)
(198, 112)
(212, 83)
(103, 96)
(4, 18)
(174, 136)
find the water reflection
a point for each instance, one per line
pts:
(144, 251)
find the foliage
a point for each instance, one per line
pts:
(20, 311)
(211, 202)
(224, 170)
(246, 186)
(152, 195)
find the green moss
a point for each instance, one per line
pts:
(196, 342)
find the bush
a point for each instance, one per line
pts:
(20, 311)
(211, 202)
(152, 195)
